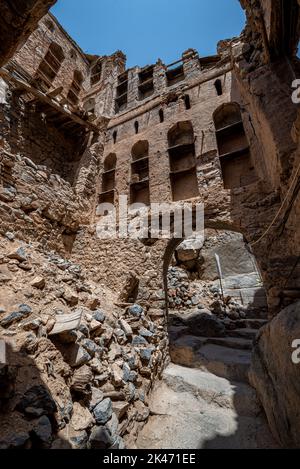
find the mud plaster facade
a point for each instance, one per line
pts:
(52, 164)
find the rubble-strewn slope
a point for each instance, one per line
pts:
(78, 367)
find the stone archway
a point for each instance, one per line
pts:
(220, 317)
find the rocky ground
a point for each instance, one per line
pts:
(193, 279)
(186, 292)
(195, 409)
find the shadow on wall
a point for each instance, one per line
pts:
(29, 414)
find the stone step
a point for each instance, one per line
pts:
(292, 293)
(223, 361)
(229, 363)
(195, 409)
(245, 333)
(232, 342)
(254, 323)
(258, 313)
(213, 389)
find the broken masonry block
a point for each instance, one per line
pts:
(67, 322)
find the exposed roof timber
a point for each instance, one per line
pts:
(210, 59)
(49, 101)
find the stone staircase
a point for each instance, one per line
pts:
(204, 399)
(227, 356)
(224, 361)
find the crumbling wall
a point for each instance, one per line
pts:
(249, 209)
(257, 82)
(71, 397)
(31, 135)
(30, 56)
(39, 199)
(100, 96)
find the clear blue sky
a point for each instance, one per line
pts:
(146, 30)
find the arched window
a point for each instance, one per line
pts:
(50, 66)
(180, 134)
(183, 175)
(233, 146)
(115, 135)
(96, 72)
(219, 88)
(161, 116)
(187, 102)
(136, 126)
(139, 187)
(75, 88)
(140, 150)
(107, 194)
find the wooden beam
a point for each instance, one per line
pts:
(55, 92)
(60, 120)
(44, 98)
(67, 124)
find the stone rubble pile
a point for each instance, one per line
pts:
(187, 294)
(180, 291)
(78, 369)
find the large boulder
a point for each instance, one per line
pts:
(200, 323)
(189, 249)
(275, 375)
(205, 325)
(234, 257)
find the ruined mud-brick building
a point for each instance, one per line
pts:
(84, 320)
